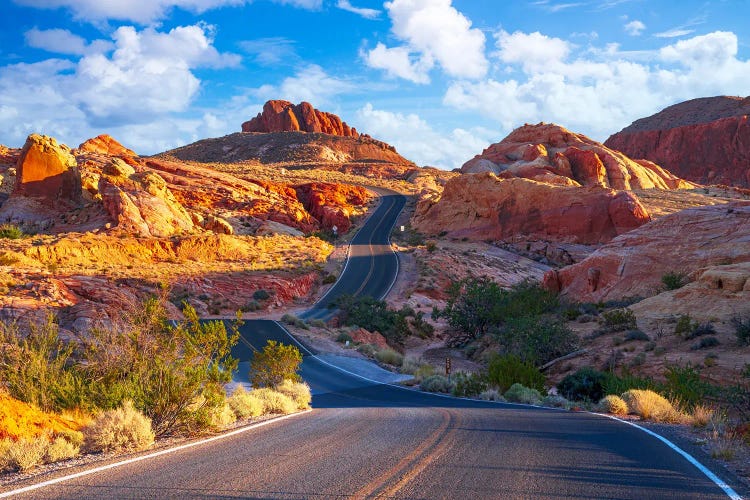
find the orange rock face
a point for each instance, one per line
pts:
(47, 172)
(332, 204)
(284, 116)
(634, 263)
(105, 144)
(483, 206)
(550, 153)
(704, 140)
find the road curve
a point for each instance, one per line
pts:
(368, 440)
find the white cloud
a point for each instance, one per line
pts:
(434, 32)
(604, 92)
(147, 78)
(634, 27)
(270, 51)
(62, 41)
(674, 33)
(416, 140)
(145, 11)
(310, 84)
(360, 11)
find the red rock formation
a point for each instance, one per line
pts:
(105, 144)
(634, 263)
(704, 140)
(48, 173)
(483, 206)
(332, 204)
(284, 116)
(550, 153)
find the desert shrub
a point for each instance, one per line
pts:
(5, 445)
(344, 338)
(11, 232)
(636, 335)
(73, 437)
(244, 404)
(261, 295)
(468, 384)
(521, 394)
(274, 401)
(368, 350)
(685, 384)
(504, 371)
(375, 316)
(291, 319)
(299, 392)
(410, 365)
(220, 417)
(555, 401)
(389, 357)
(705, 343)
(700, 329)
(650, 405)
(742, 329)
(25, 454)
(613, 404)
(252, 305)
(318, 323)
(477, 305)
(537, 339)
(620, 320)
(586, 384)
(674, 280)
(123, 428)
(274, 364)
(423, 372)
(60, 449)
(684, 325)
(617, 384)
(329, 278)
(701, 415)
(490, 395)
(431, 246)
(437, 383)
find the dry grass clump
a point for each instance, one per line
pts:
(652, 406)
(222, 417)
(389, 357)
(25, 454)
(299, 392)
(274, 401)
(61, 449)
(723, 444)
(245, 404)
(613, 404)
(124, 428)
(490, 395)
(702, 415)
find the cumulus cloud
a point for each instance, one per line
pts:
(360, 11)
(415, 139)
(434, 33)
(634, 27)
(147, 77)
(311, 83)
(605, 91)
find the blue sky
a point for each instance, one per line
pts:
(438, 79)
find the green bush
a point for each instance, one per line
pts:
(620, 320)
(11, 232)
(636, 335)
(261, 295)
(617, 384)
(555, 401)
(124, 428)
(701, 329)
(252, 305)
(329, 279)
(275, 364)
(684, 325)
(389, 357)
(685, 384)
(375, 316)
(468, 384)
(506, 370)
(291, 319)
(742, 329)
(537, 339)
(705, 343)
(517, 393)
(586, 384)
(437, 383)
(343, 338)
(674, 280)
(318, 323)
(431, 246)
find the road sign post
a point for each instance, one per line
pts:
(448, 368)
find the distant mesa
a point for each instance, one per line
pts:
(550, 153)
(105, 144)
(284, 116)
(704, 140)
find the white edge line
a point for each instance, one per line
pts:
(687, 456)
(167, 451)
(710, 475)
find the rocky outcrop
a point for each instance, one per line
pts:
(704, 140)
(634, 263)
(105, 144)
(284, 116)
(550, 153)
(484, 206)
(48, 173)
(332, 204)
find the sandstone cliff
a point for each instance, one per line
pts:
(705, 140)
(106, 144)
(550, 153)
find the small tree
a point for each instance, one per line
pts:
(275, 364)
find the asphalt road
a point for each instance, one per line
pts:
(365, 439)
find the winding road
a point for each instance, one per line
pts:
(364, 439)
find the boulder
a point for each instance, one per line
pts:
(633, 264)
(284, 116)
(105, 144)
(551, 153)
(48, 173)
(704, 140)
(483, 206)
